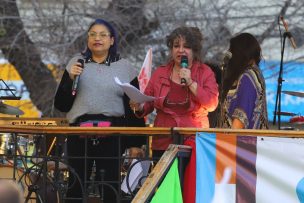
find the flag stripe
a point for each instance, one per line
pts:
(245, 170)
(280, 165)
(205, 167)
(170, 190)
(225, 156)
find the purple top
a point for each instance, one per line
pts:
(246, 101)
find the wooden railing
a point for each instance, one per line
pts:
(155, 177)
(155, 131)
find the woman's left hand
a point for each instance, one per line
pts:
(136, 107)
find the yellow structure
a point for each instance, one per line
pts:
(11, 77)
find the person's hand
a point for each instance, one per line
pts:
(185, 73)
(136, 107)
(76, 69)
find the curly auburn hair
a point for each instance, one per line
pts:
(193, 38)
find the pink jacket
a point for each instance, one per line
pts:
(196, 116)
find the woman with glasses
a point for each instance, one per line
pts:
(98, 101)
(184, 96)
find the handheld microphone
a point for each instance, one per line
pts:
(76, 80)
(184, 64)
(290, 37)
(226, 58)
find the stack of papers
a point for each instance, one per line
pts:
(133, 93)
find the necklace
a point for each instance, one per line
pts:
(175, 75)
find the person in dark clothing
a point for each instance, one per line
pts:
(213, 116)
(98, 101)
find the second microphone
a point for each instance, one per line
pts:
(76, 80)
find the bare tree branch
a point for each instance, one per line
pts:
(23, 54)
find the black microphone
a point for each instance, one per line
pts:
(226, 58)
(290, 37)
(76, 80)
(184, 64)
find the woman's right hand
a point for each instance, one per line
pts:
(75, 70)
(136, 107)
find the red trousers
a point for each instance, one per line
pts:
(189, 189)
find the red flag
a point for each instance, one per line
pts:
(145, 72)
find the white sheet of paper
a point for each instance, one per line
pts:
(133, 93)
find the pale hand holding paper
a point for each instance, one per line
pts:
(133, 93)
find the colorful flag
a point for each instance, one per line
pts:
(170, 190)
(264, 169)
(145, 72)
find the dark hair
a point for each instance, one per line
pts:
(113, 49)
(216, 70)
(193, 38)
(244, 48)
